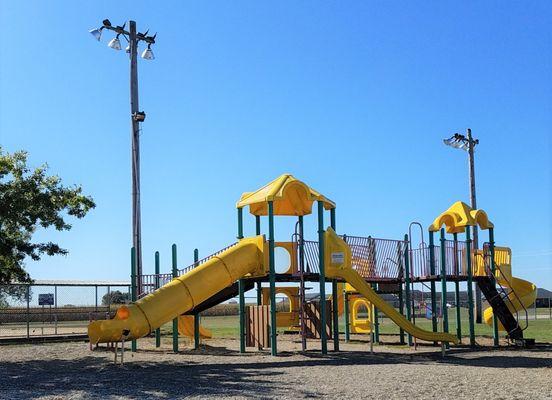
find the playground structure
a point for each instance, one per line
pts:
(358, 268)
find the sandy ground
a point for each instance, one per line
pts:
(71, 370)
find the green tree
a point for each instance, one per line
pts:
(29, 200)
(115, 297)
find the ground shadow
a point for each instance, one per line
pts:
(96, 376)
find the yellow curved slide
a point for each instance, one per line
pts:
(186, 327)
(181, 294)
(338, 265)
(523, 293)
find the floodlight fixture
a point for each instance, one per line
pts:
(97, 33)
(115, 43)
(148, 53)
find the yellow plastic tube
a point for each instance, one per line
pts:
(181, 294)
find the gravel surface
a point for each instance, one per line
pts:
(71, 370)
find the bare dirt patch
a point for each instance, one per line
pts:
(70, 370)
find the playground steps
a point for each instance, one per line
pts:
(500, 309)
(225, 294)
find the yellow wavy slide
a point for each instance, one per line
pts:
(182, 293)
(523, 293)
(337, 258)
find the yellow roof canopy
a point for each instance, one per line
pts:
(290, 196)
(458, 216)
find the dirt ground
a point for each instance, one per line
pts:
(71, 370)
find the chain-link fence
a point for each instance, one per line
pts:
(57, 309)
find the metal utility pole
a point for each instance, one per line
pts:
(468, 143)
(473, 201)
(135, 132)
(136, 117)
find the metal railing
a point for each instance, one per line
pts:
(372, 258)
(151, 282)
(455, 261)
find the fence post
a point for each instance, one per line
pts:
(175, 321)
(55, 310)
(157, 269)
(28, 295)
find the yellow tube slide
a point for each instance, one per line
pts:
(337, 256)
(181, 294)
(186, 327)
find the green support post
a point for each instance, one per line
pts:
(493, 270)
(346, 307)
(407, 286)
(257, 224)
(272, 278)
(302, 289)
(401, 310)
(335, 308)
(175, 321)
(157, 269)
(432, 283)
(133, 281)
(259, 284)
(470, 286)
(196, 315)
(323, 333)
(241, 288)
(457, 290)
(346, 312)
(240, 223)
(444, 308)
(375, 316)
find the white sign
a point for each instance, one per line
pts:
(338, 258)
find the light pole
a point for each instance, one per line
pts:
(136, 117)
(468, 144)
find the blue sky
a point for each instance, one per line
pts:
(353, 98)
